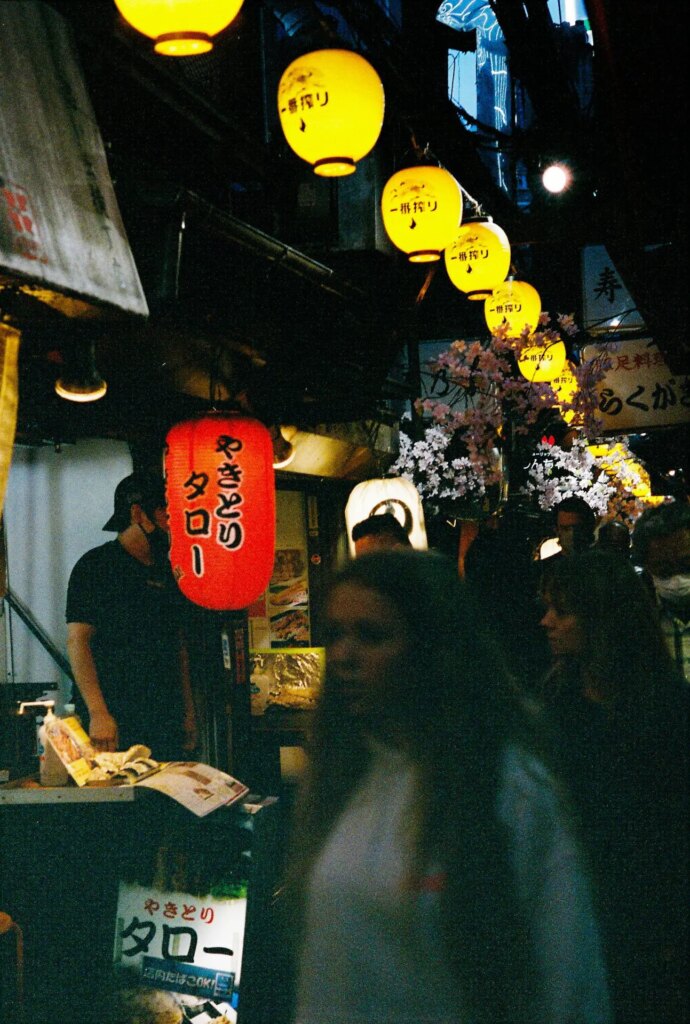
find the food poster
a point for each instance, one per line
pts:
(287, 679)
(180, 951)
(280, 617)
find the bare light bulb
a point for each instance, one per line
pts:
(556, 178)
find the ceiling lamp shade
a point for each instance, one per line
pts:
(422, 210)
(220, 489)
(80, 380)
(330, 105)
(180, 28)
(478, 258)
(541, 363)
(396, 496)
(515, 305)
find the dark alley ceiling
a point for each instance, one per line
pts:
(275, 287)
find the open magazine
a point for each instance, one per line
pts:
(198, 787)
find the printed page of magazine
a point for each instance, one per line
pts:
(198, 787)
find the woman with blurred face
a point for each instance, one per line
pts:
(435, 876)
(618, 714)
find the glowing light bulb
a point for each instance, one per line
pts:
(556, 178)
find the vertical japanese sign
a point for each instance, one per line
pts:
(9, 351)
(182, 943)
(607, 304)
(221, 503)
(639, 390)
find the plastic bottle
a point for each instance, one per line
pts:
(52, 771)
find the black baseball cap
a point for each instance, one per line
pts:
(136, 489)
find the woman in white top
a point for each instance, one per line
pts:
(435, 877)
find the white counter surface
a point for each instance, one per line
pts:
(12, 794)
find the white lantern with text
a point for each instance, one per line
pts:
(393, 495)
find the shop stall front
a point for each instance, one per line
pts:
(126, 907)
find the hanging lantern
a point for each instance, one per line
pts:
(220, 490)
(515, 305)
(617, 461)
(393, 495)
(180, 28)
(422, 209)
(330, 105)
(478, 258)
(541, 363)
(564, 386)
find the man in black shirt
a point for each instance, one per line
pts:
(124, 631)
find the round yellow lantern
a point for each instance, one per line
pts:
(564, 386)
(540, 363)
(617, 461)
(422, 209)
(180, 28)
(478, 259)
(330, 104)
(515, 305)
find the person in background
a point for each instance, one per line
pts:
(661, 546)
(124, 631)
(614, 536)
(575, 522)
(377, 533)
(435, 876)
(500, 567)
(618, 713)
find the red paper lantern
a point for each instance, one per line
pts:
(220, 489)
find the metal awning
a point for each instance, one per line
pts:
(61, 234)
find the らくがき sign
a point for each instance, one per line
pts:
(639, 389)
(220, 488)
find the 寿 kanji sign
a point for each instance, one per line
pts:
(639, 390)
(607, 304)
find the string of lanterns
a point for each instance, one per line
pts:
(331, 107)
(219, 473)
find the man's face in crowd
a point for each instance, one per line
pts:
(668, 562)
(573, 533)
(669, 556)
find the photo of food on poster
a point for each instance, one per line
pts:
(281, 617)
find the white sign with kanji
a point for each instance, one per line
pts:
(639, 390)
(181, 943)
(606, 302)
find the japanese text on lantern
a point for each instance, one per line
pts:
(224, 521)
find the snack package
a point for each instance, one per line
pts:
(72, 745)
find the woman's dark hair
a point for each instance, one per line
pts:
(455, 709)
(624, 653)
(385, 523)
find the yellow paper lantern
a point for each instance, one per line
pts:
(564, 386)
(330, 105)
(478, 258)
(616, 461)
(181, 28)
(540, 363)
(422, 209)
(515, 305)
